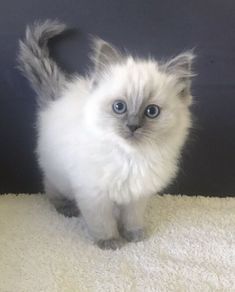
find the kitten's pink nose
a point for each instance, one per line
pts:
(133, 128)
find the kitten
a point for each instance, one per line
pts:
(109, 141)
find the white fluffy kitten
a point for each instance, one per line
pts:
(109, 141)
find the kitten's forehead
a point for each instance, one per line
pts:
(137, 81)
(140, 76)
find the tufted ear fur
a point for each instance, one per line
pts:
(181, 67)
(103, 54)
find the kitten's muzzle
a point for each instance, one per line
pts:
(133, 127)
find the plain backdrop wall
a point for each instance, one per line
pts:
(160, 28)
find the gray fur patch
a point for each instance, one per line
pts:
(181, 67)
(104, 54)
(44, 75)
(132, 235)
(65, 206)
(109, 244)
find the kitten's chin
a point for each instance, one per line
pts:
(133, 137)
(130, 140)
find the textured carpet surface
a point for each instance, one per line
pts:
(190, 247)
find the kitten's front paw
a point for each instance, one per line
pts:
(133, 235)
(109, 244)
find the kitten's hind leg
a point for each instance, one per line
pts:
(63, 205)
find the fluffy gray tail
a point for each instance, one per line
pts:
(34, 61)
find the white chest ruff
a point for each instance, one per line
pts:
(90, 166)
(124, 179)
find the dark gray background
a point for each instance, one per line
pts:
(161, 28)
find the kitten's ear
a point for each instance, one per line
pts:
(181, 67)
(103, 54)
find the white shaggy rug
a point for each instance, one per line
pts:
(191, 247)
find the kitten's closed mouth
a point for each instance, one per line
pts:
(132, 135)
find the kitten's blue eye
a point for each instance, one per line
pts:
(152, 111)
(119, 107)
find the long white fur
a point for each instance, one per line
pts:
(75, 151)
(87, 161)
(84, 158)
